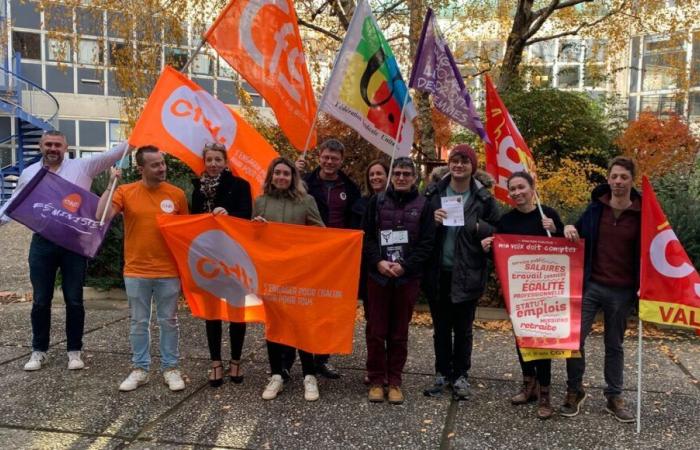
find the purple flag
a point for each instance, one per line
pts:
(435, 71)
(61, 212)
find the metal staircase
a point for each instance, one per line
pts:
(33, 111)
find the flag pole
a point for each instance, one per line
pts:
(194, 55)
(639, 378)
(113, 186)
(537, 197)
(396, 139)
(308, 136)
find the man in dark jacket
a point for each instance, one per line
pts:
(335, 194)
(399, 238)
(457, 272)
(611, 226)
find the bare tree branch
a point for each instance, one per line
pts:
(340, 13)
(319, 10)
(321, 30)
(542, 16)
(559, 5)
(397, 37)
(577, 29)
(390, 8)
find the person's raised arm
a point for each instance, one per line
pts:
(98, 163)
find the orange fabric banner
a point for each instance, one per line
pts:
(301, 280)
(508, 152)
(260, 40)
(669, 290)
(180, 118)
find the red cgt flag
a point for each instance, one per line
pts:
(507, 152)
(260, 40)
(669, 291)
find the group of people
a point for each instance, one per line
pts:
(408, 247)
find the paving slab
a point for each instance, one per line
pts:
(17, 327)
(21, 438)
(236, 416)
(8, 353)
(686, 352)
(88, 400)
(489, 421)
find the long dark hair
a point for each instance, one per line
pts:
(296, 189)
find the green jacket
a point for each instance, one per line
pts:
(287, 210)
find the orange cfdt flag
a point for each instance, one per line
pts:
(303, 280)
(669, 290)
(180, 118)
(507, 153)
(260, 40)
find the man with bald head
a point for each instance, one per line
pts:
(47, 258)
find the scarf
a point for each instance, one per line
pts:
(208, 185)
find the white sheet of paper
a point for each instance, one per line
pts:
(455, 211)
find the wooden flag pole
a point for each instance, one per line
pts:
(639, 378)
(113, 186)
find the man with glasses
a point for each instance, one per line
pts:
(456, 277)
(335, 195)
(399, 238)
(46, 258)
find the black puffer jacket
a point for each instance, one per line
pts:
(469, 273)
(232, 194)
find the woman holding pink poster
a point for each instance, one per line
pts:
(525, 219)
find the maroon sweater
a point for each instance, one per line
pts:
(614, 260)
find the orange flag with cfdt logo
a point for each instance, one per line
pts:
(260, 40)
(180, 118)
(301, 280)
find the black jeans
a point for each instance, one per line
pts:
(452, 331)
(616, 304)
(236, 332)
(540, 369)
(280, 355)
(45, 259)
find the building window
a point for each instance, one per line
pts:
(662, 105)
(118, 52)
(225, 71)
(570, 51)
(694, 106)
(542, 52)
(695, 63)
(664, 62)
(634, 65)
(203, 64)
(568, 76)
(90, 52)
(594, 50)
(176, 57)
(59, 50)
(542, 76)
(492, 51)
(27, 44)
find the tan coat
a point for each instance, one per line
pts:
(287, 210)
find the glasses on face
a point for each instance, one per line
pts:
(403, 174)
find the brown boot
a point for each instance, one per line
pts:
(528, 392)
(395, 395)
(375, 394)
(544, 408)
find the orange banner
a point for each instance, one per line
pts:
(669, 291)
(260, 40)
(508, 152)
(301, 280)
(180, 118)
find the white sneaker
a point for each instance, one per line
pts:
(136, 378)
(74, 361)
(35, 361)
(174, 380)
(273, 388)
(310, 388)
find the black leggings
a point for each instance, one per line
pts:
(236, 331)
(541, 369)
(281, 357)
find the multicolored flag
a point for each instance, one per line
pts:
(507, 152)
(260, 40)
(366, 90)
(542, 282)
(669, 291)
(301, 280)
(180, 118)
(61, 212)
(435, 71)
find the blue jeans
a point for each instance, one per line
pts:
(165, 292)
(45, 259)
(616, 304)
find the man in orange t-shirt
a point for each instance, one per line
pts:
(149, 269)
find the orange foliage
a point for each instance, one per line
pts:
(659, 146)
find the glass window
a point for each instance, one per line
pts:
(542, 76)
(117, 25)
(203, 64)
(89, 21)
(466, 51)
(493, 51)
(58, 49)
(694, 106)
(28, 44)
(595, 75)
(225, 71)
(542, 52)
(118, 52)
(662, 105)
(176, 57)
(632, 108)
(24, 14)
(116, 132)
(58, 17)
(92, 133)
(90, 52)
(695, 64)
(149, 56)
(570, 50)
(664, 62)
(568, 76)
(595, 50)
